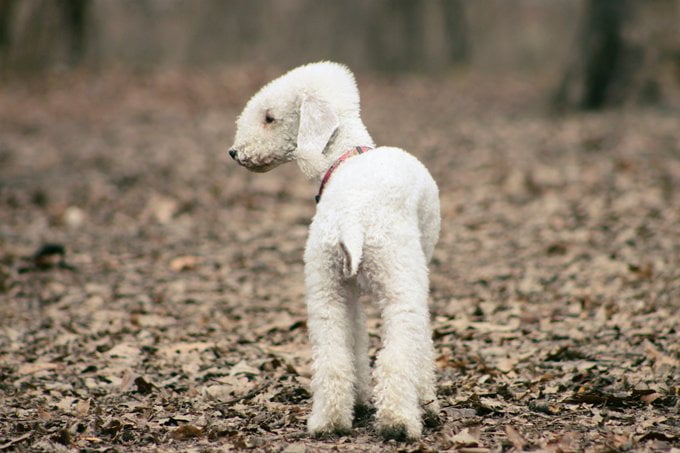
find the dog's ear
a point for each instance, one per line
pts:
(318, 122)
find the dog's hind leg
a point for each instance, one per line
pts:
(406, 324)
(427, 395)
(329, 323)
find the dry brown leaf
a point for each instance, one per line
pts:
(185, 432)
(124, 353)
(658, 435)
(90, 439)
(658, 357)
(16, 440)
(31, 368)
(43, 414)
(151, 320)
(184, 263)
(506, 365)
(83, 407)
(185, 348)
(649, 399)
(244, 369)
(466, 437)
(295, 448)
(564, 442)
(161, 208)
(515, 437)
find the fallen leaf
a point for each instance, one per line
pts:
(650, 398)
(515, 437)
(544, 407)
(506, 365)
(182, 348)
(184, 263)
(185, 432)
(16, 440)
(43, 414)
(124, 353)
(83, 407)
(31, 368)
(658, 357)
(658, 435)
(465, 438)
(162, 208)
(90, 439)
(66, 403)
(242, 368)
(295, 448)
(602, 398)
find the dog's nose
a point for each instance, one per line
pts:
(232, 153)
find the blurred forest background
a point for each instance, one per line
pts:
(599, 52)
(151, 290)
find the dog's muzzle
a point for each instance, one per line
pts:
(251, 164)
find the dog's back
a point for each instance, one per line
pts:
(381, 199)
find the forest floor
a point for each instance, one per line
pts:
(174, 319)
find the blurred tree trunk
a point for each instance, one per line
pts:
(396, 35)
(456, 30)
(39, 34)
(75, 16)
(6, 7)
(589, 82)
(408, 35)
(622, 54)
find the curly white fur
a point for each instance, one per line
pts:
(375, 229)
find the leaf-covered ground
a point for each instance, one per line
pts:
(151, 290)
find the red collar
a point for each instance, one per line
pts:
(352, 152)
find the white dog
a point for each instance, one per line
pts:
(376, 225)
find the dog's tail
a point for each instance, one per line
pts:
(351, 246)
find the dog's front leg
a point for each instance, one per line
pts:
(333, 365)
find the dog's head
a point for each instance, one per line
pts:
(295, 118)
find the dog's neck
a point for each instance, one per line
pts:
(351, 133)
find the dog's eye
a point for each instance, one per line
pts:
(268, 118)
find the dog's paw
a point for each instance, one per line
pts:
(328, 428)
(329, 432)
(400, 430)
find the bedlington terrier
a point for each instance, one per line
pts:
(376, 225)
